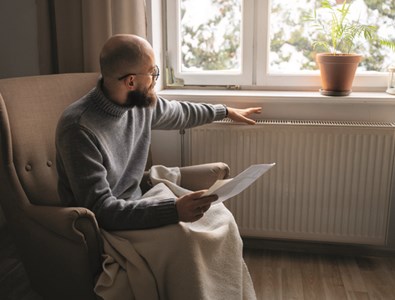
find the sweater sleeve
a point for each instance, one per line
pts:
(82, 181)
(180, 114)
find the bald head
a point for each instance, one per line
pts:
(124, 53)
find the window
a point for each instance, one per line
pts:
(209, 41)
(290, 44)
(210, 36)
(264, 43)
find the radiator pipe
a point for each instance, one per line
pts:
(182, 133)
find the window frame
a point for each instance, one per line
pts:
(173, 59)
(256, 46)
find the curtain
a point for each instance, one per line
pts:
(71, 33)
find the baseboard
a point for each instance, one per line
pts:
(317, 247)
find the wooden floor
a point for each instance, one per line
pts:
(276, 275)
(291, 275)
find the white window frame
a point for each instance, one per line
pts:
(308, 80)
(255, 75)
(212, 77)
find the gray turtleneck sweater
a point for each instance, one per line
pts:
(102, 149)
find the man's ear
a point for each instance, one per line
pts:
(131, 83)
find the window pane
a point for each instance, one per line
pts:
(291, 37)
(210, 35)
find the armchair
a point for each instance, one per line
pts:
(60, 247)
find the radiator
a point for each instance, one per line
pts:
(331, 182)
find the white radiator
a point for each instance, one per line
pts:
(331, 182)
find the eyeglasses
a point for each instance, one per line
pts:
(155, 74)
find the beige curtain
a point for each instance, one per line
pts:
(72, 32)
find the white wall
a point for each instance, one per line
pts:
(166, 148)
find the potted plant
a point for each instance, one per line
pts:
(338, 63)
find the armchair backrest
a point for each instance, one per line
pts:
(29, 111)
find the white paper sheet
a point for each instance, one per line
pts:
(228, 188)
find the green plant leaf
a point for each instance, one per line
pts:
(388, 43)
(341, 31)
(322, 44)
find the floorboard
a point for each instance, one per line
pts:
(306, 276)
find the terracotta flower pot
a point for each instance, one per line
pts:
(337, 72)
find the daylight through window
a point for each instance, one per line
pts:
(291, 36)
(210, 35)
(266, 42)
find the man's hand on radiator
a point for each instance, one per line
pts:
(241, 114)
(191, 207)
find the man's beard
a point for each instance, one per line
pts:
(141, 99)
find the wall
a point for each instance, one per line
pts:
(166, 148)
(19, 48)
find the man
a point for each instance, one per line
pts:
(103, 140)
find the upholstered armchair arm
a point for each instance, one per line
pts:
(64, 221)
(59, 241)
(200, 177)
(76, 224)
(196, 177)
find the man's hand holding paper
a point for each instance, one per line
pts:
(228, 188)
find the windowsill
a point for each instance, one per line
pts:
(235, 96)
(297, 105)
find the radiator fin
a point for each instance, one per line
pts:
(331, 181)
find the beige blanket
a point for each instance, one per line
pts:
(185, 261)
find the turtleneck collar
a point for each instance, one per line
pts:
(105, 104)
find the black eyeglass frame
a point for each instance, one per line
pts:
(154, 75)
